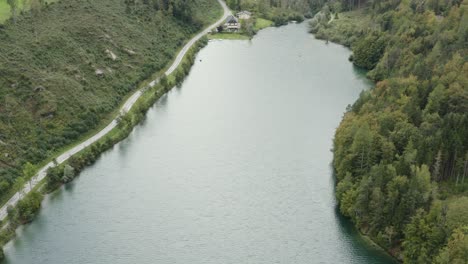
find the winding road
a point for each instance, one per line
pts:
(125, 108)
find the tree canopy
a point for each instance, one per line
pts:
(401, 150)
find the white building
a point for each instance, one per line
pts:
(232, 24)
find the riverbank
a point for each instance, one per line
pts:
(259, 24)
(338, 30)
(88, 155)
(131, 113)
(374, 191)
(71, 77)
(210, 170)
(342, 29)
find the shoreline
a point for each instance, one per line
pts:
(121, 131)
(125, 108)
(133, 109)
(367, 238)
(136, 105)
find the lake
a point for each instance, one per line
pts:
(234, 166)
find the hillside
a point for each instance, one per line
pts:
(280, 12)
(65, 68)
(401, 151)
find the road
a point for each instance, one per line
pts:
(125, 108)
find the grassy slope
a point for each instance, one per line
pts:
(261, 23)
(48, 84)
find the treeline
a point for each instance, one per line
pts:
(181, 9)
(401, 151)
(278, 11)
(67, 66)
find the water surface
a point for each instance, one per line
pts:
(232, 167)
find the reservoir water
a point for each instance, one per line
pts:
(231, 167)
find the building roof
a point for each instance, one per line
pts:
(231, 20)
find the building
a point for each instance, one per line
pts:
(244, 15)
(232, 24)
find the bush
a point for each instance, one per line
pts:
(54, 177)
(280, 20)
(68, 173)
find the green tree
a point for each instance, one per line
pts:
(456, 251)
(416, 237)
(19, 185)
(396, 189)
(376, 209)
(12, 214)
(4, 186)
(368, 51)
(28, 207)
(28, 172)
(362, 148)
(54, 176)
(164, 82)
(389, 234)
(425, 234)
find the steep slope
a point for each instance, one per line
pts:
(67, 66)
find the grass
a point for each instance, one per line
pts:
(262, 23)
(4, 11)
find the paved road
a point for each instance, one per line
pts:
(125, 108)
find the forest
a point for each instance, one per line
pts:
(65, 67)
(280, 12)
(401, 150)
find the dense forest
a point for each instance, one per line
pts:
(401, 151)
(65, 67)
